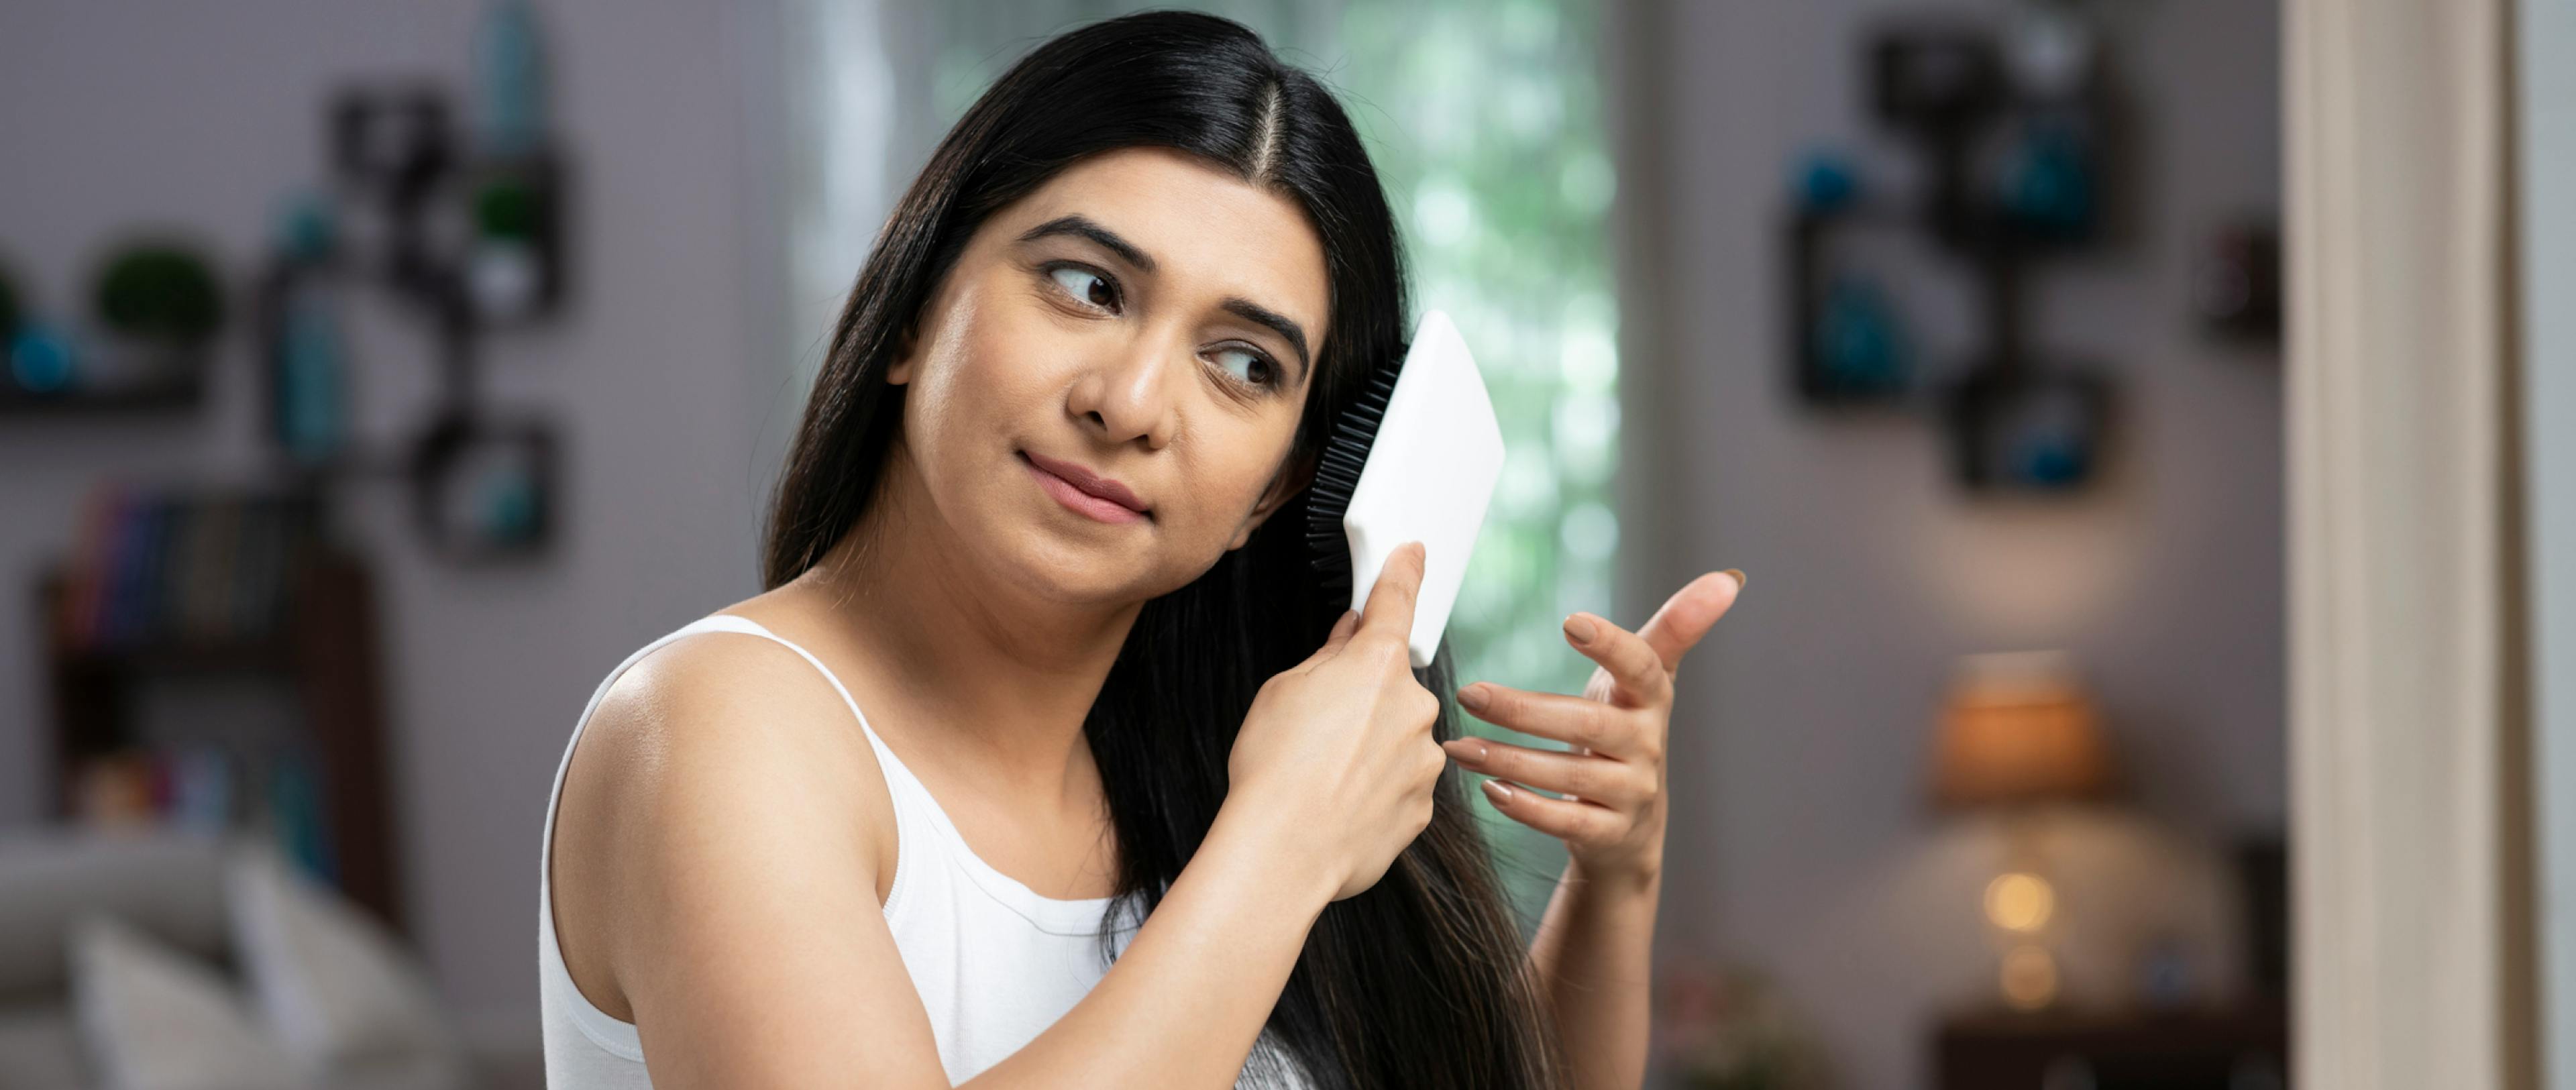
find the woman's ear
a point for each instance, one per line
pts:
(907, 345)
(1293, 476)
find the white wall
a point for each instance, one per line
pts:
(663, 376)
(1801, 843)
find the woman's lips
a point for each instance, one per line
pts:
(1073, 496)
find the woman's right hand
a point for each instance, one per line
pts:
(1336, 757)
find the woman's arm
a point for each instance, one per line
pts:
(1592, 958)
(719, 842)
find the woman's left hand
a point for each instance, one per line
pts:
(1612, 815)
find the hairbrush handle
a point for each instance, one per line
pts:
(1429, 477)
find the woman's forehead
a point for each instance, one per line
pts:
(1196, 223)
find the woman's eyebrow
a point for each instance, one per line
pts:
(1081, 226)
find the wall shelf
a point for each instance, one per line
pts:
(175, 396)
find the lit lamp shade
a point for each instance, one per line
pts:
(2016, 730)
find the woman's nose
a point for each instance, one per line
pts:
(1133, 396)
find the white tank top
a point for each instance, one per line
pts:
(994, 962)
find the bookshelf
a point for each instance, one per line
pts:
(318, 784)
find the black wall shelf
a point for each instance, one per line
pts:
(178, 396)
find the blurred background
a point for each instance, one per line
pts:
(380, 373)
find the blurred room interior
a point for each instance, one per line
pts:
(379, 373)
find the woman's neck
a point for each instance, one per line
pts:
(1006, 676)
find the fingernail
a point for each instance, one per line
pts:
(1495, 790)
(1738, 573)
(1472, 697)
(1579, 627)
(1466, 750)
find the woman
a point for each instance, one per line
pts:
(1127, 804)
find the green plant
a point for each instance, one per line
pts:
(160, 292)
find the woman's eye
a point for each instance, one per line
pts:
(1247, 365)
(1087, 286)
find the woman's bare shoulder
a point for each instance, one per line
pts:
(730, 693)
(719, 754)
(729, 713)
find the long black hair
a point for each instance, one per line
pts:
(1420, 981)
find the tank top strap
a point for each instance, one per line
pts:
(897, 773)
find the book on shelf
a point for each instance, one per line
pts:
(174, 567)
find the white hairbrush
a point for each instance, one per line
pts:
(1414, 459)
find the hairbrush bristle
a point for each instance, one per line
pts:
(1337, 478)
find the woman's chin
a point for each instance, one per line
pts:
(1055, 569)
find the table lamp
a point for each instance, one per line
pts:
(2017, 733)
